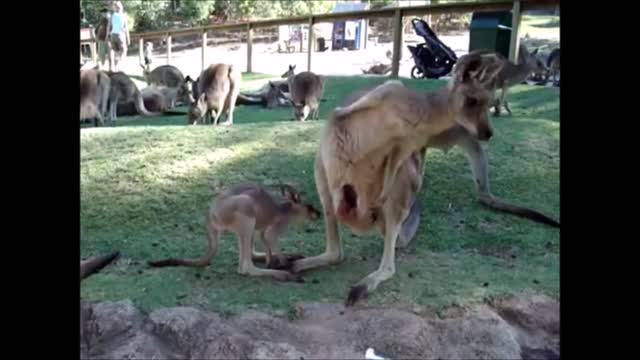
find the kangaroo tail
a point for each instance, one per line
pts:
(499, 205)
(96, 263)
(213, 235)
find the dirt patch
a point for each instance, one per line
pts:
(511, 329)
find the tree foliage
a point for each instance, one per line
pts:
(194, 10)
(145, 15)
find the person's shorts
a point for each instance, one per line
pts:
(117, 43)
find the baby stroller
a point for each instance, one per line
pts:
(433, 58)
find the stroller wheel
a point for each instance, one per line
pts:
(417, 73)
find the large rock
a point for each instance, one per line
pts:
(512, 329)
(116, 330)
(536, 323)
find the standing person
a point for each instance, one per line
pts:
(102, 38)
(148, 50)
(119, 35)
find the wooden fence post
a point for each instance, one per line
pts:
(168, 49)
(366, 33)
(515, 32)
(310, 43)
(397, 43)
(141, 51)
(249, 47)
(301, 39)
(204, 49)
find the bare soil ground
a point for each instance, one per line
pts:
(267, 59)
(516, 328)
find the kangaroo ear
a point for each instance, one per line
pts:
(490, 72)
(290, 193)
(271, 85)
(188, 78)
(293, 67)
(482, 67)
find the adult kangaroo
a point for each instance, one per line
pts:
(123, 89)
(217, 91)
(94, 95)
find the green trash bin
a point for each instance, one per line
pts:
(490, 31)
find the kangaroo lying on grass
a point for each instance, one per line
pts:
(170, 76)
(270, 95)
(243, 210)
(369, 165)
(156, 99)
(217, 91)
(267, 96)
(378, 69)
(94, 95)
(306, 90)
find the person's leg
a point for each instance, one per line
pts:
(116, 44)
(102, 53)
(111, 54)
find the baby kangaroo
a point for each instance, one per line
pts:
(244, 210)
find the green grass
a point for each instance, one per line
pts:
(255, 76)
(146, 184)
(252, 81)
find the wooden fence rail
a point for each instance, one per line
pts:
(397, 13)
